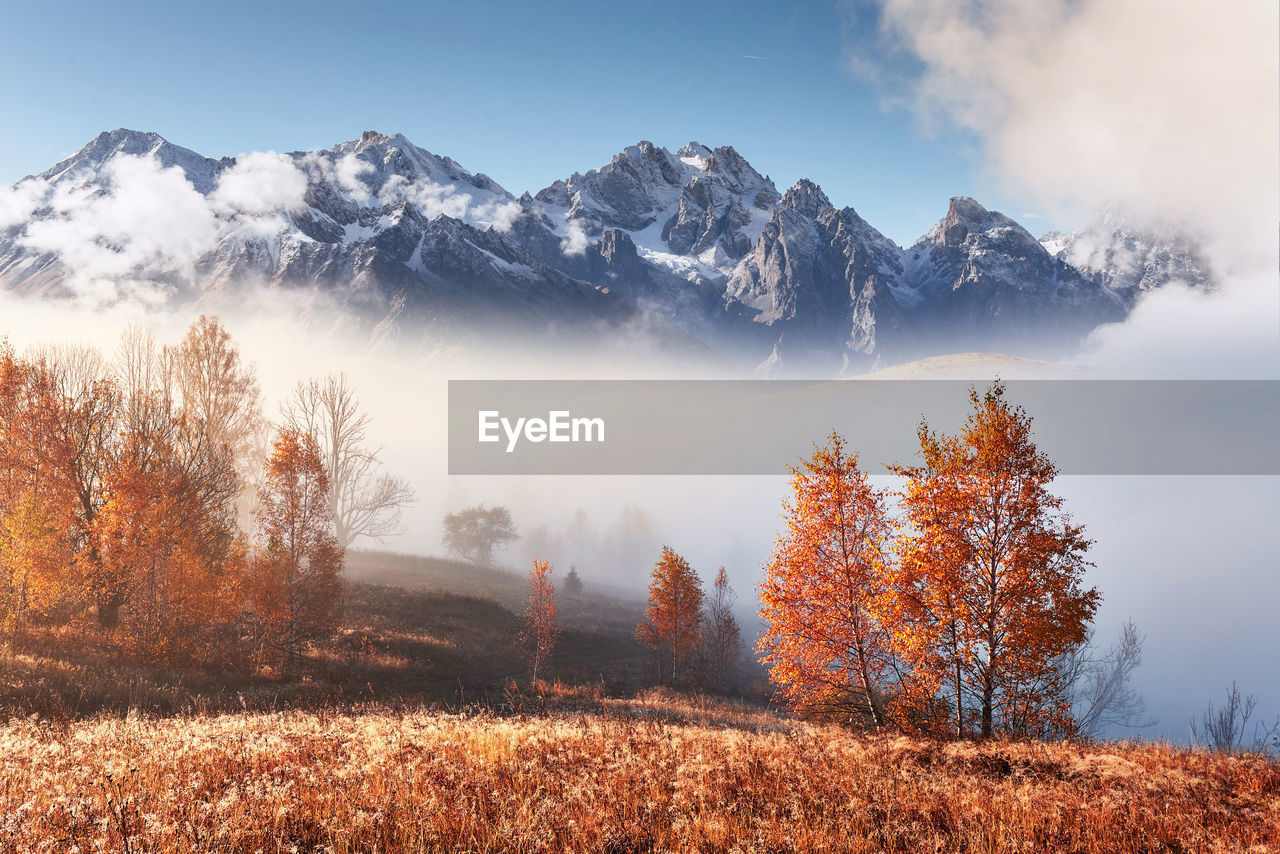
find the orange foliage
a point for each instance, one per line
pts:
(540, 624)
(828, 596)
(37, 499)
(956, 620)
(673, 619)
(164, 552)
(993, 571)
(295, 582)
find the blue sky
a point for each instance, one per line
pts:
(526, 92)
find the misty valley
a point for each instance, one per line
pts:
(897, 478)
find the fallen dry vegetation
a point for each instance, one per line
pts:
(642, 775)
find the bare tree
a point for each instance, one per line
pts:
(721, 640)
(1222, 729)
(1098, 684)
(365, 501)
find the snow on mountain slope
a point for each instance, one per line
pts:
(697, 243)
(1132, 260)
(978, 277)
(695, 212)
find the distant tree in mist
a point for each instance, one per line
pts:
(1098, 684)
(1222, 729)
(541, 625)
(721, 637)
(364, 501)
(573, 582)
(476, 533)
(627, 541)
(673, 618)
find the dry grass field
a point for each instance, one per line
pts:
(653, 773)
(416, 730)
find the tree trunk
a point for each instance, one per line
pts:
(109, 611)
(955, 651)
(988, 690)
(877, 719)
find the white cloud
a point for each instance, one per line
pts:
(1170, 109)
(575, 242)
(347, 171)
(19, 202)
(1181, 333)
(503, 215)
(260, 183)
(478, 208)
(150, 222)
(430, 198)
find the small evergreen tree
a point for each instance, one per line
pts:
(573, 582)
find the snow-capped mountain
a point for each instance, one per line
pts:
(696, 245)
(1131, 260)
(977, 279)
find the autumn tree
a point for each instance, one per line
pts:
(160, 453)
(828, 597)
(364, 501)
(295, 583)
(474, 534)
(541, 628)
(673, 618)
(219, 396)
(164, 540)
(721, 639)
(37, 496)
(992, 572)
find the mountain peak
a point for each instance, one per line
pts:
(693, 148)
(807, 198)
(967, 216)
(107, 145)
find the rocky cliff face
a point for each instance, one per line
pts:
(978, 280)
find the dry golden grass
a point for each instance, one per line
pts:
(650, 774)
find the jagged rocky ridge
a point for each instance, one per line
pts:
(696, 247)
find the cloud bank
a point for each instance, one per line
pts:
(141, 232)
(1169, 109)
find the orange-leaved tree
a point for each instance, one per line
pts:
(673, 619)
(828, 595)
(541, 627)
(37, 499)
(993, 571)
(295, 582)
(164, 542)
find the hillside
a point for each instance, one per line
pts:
(416, 730)
(649, 774)
(415, 630)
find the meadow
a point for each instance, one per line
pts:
(651, 773)
(417, 730)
